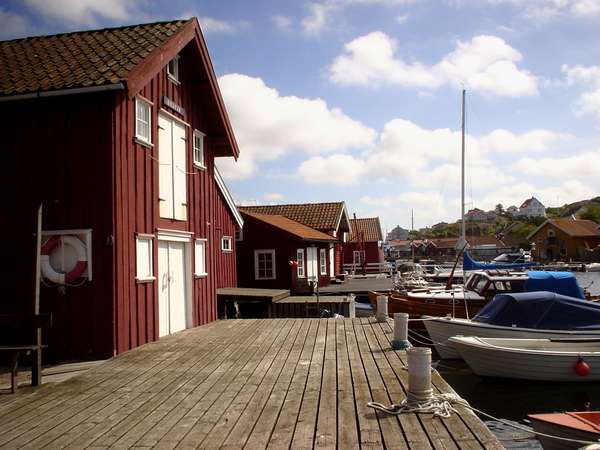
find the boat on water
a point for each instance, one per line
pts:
(555, 359)
(508, 261)
(592, 267)
(526, 315)
(581, 426)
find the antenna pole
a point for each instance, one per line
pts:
(462, 172)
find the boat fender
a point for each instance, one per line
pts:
(582, 368)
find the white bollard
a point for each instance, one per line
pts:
(352, 307)
(400, 341)
(382, 311)
(419, 374)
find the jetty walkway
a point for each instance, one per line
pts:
(276, 383)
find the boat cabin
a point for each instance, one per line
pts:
(489, 283)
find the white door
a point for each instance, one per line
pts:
(312, 263)
(331, 262)
(172, 296)
(172, 173)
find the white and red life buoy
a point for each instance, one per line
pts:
(76, 272)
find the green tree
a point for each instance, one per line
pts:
(499, 209)
(592, 212)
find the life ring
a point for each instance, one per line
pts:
(58, 277)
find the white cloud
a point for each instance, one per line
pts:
(589, 78)
(268, 125)
(531, 141)
(429, 207)
(402, 18)
(486, 64)
(541, 11)
(282, 22)
(335, 169)
(12, 24)
(84, 12)
(582, 164)
(211, 25)
(273, 196)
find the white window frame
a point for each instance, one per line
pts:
(301, 270)
(173, 76)
(201, 164)
(149, 239)
(144, 102)
(200, 264)
(256, 255)
(227, 247)
(323, 261)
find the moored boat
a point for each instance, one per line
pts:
(581, 426)
(567, 359)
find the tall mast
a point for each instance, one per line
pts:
(462, 172)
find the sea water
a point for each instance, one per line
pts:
(512, 400)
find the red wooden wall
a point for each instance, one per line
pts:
(373, 253)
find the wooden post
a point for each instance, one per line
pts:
(36, 365)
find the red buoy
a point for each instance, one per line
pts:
(582, 368)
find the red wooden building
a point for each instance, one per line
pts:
(365, 244)
(329, 218)
(115, 132)
(279, 253)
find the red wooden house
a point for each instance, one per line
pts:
(365, 244)
(279, 253)
(115, 132)
(329, 218)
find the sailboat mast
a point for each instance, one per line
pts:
(462, 172)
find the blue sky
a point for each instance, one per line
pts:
(359, 100)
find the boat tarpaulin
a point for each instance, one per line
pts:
(542, 310)
(470, 264)
(563, 283)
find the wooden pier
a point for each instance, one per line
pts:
(276, 383)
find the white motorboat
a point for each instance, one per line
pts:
(592, 267)
(529, 315)
(559, 359)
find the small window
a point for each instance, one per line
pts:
(173, 69)
(550, 233)
(226, 244)
(323, 261)
(264, 264)
(143, 258)
(199, 149)
(200, 257)
(239, 234)
(300, 260)
(143, 122)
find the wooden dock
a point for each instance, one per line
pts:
(277, 383)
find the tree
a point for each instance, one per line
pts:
(499, 209)
(592, 212)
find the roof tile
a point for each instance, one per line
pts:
(290, 226)
(321, 216)
(370, 228)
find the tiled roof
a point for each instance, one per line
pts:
(79, 59)
(321, 216)
(369, 226)
(577, 228)
(290, 226)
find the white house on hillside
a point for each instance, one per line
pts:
(532, 207)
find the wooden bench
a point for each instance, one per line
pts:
(22, 335)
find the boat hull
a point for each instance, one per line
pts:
(560, 424)
(442, 329)
(528, 359)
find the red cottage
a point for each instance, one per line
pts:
(279, 253)
(365, 245)
(329, 218)
(115, 133)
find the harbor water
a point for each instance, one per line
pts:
(512, 400)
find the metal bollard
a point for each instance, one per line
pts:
(400, 341)
(352, 307)
(382, 310)
(419, 374)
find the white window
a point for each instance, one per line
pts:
(264, 264)
(173, 69)
(323, 261)
(143, 121)
(301, 263)
(239, 234)
(144, 270)
(200, 257)
(199, 149)
(226, 244)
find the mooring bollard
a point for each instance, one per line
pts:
(419, 374)
(382, 310)
(352, 307)
(400, 341)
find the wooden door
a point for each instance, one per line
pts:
(312, 263)
(163, 288)
(172, 172)
(172, 294)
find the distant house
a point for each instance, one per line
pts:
(512, 211)
(531, 207)
(476, 215)
(329, 218)
(445, 248)
(275, 252)
(131, 121)
(364, 246)
(397, 233)
(564, 239)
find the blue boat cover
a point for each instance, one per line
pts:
(470, 264)
(541, 310)
(563, 283)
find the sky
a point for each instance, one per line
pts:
(360, 100)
